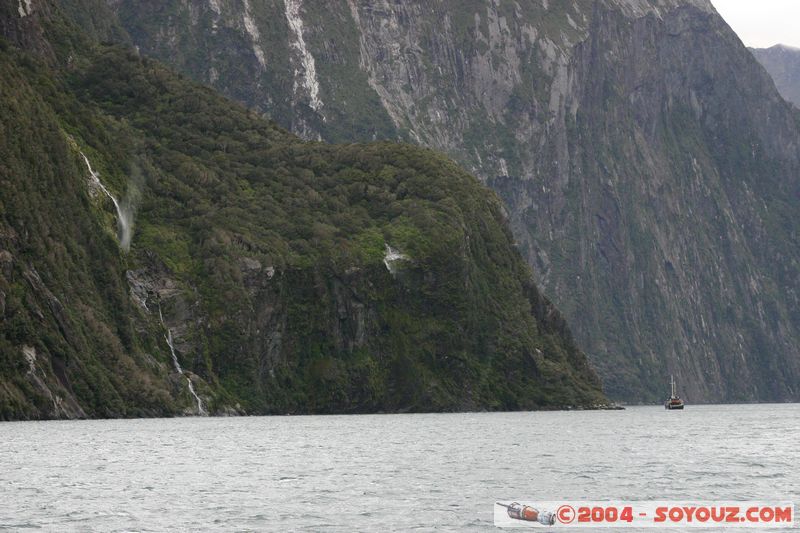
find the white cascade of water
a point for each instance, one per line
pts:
(391, 257)
(124, 215)
(178, 368)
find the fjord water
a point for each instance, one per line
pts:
(383, 472)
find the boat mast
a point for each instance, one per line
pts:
(672, 384)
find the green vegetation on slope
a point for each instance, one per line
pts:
(63, 297)
(264, 255)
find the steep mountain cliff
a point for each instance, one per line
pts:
(783, 64)
(163, 251)
(648, 164)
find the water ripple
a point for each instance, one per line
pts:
(383, 472)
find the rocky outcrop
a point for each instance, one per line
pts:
(783, 64)
(648, 165)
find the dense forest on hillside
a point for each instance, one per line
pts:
(289, 276)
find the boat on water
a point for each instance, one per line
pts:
(674, 401)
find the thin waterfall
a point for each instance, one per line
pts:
(391, 257)
(124, 215)
(178, 368)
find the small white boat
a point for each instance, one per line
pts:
(674, 401)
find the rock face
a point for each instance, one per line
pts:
(262, 273)
(649, 167)
(783, 64)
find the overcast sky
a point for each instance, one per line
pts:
(763, 23)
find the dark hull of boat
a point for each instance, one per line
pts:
(671, 407)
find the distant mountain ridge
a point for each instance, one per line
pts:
(783, 64)
(648, 165)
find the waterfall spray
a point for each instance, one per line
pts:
(124, 212)
(178, 368)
